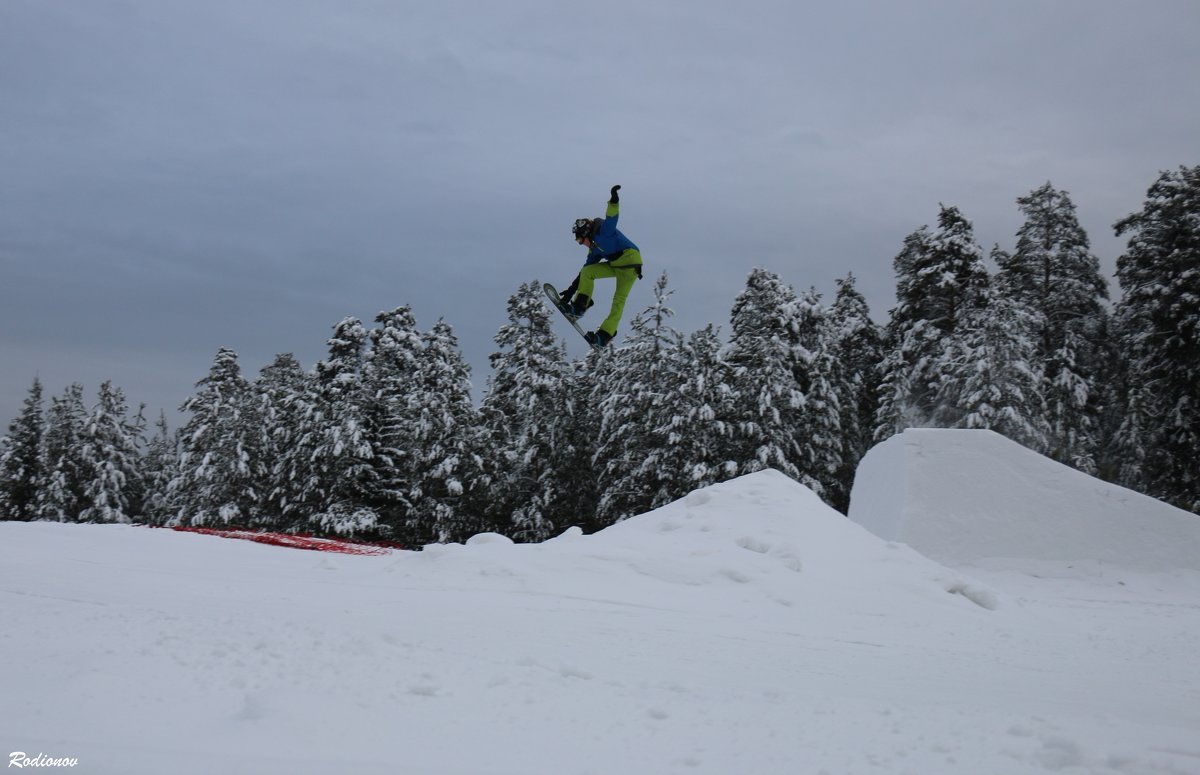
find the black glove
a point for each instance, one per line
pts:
(614, 198)
(569, 293)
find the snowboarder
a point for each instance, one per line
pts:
(610, 254)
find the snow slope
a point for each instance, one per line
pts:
(964, 496)
(744, 629)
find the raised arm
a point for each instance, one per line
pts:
(610, 215)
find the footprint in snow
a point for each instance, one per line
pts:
(252, 709)
(753, 544)
(423, 690)
(567, 671)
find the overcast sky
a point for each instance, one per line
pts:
(178, 176)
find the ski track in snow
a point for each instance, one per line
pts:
(744, 629)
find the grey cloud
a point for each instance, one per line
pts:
(177, 176)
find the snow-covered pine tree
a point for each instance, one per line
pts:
(5, 507)
(821, 377)
(635, 405)
(392, 409)
(940, 275)
(940, 278)
(991, 376)
(20, 460)
(858, 346)
(699, 432)
(218, 447)
(1159, 320)
(765, 354)
(524, 415)
(445, 444)
(576, 471)
(1054, 272)
(1121, 417)
(280, 395)
(908, 381)
(1053, 269)
(1073, 396)
(603, 378)
(112, 450)
(1128, 437)
(906, 391)
(160, 466)
(61, 496)
(340, 470)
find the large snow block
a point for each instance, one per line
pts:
(960, 496)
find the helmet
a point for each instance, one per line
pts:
(586, 227)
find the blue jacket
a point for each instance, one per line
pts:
(608, 242)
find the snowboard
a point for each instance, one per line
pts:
(556, 300)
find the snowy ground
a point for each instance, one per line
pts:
(744, 629)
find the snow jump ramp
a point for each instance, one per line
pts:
(961, 497)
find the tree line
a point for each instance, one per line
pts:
(382, 438)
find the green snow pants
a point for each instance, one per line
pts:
(626, 268)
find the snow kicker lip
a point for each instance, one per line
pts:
(296, 541)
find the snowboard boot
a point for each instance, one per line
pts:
(567, 307)
(576, 308)
(598, 338)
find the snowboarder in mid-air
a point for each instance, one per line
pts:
(610, 254)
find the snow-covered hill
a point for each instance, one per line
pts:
(744, 629)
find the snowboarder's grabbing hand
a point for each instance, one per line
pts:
(610, 254)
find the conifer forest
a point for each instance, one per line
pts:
(384, 439)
